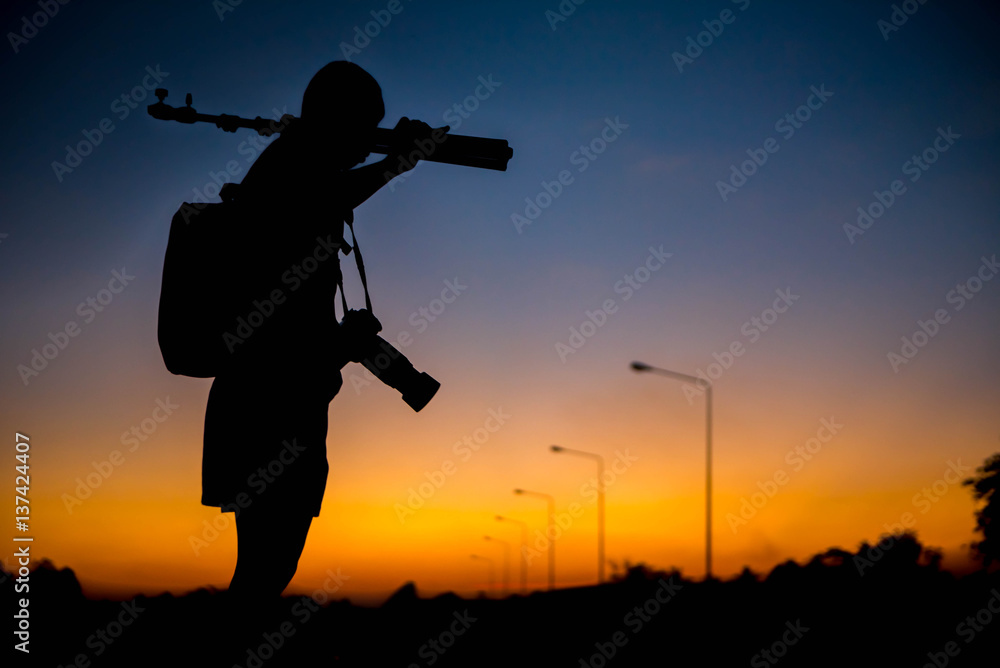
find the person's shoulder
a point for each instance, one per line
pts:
(298, 154)
(275, 168)
(283, 147)
(294, 173)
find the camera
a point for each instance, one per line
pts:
(359, 332)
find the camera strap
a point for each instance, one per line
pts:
(349, 219)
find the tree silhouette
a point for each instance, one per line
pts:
(985, 485)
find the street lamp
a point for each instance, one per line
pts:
(551, 532)
(707, 386)
(488, 561)
(600, 503)
(524, 550)
(506, 562)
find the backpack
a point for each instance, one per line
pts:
(198, 283)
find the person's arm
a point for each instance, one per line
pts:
(361, 183)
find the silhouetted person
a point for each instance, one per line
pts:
(266, 420)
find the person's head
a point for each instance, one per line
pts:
(341, 107)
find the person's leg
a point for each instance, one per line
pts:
(269, 544)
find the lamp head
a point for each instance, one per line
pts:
(519, 491)
(640, 366)
(556, 448)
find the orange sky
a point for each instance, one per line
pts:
(143, 529)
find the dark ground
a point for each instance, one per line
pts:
(902, 611)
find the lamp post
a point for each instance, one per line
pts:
(506, 562)
(524, 550)
(551, 531)
(600, 503)
(707, 386)
(488, 561)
